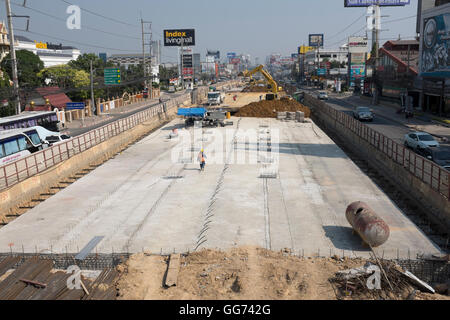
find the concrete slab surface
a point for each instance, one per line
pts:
(150, 198)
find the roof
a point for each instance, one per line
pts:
(57, 98)
(27, 114)
(401, 57)
(191, 112)
(22, 38)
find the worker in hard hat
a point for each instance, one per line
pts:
(202, 159)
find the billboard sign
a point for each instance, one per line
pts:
(187, 61)
(316, 40)
(305, 49)
(231, 55)
(381, 3)
(321, 72)
(435, 43)
(235, 61)
(358, 45)
(174, 38)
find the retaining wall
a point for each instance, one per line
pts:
(436, 204)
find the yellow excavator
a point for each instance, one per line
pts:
(272, 84)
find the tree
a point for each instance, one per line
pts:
(65, 76)
(165, 74)
(28, 66)
(83, 62)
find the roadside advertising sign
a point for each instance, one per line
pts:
(316, 40)
(174, 37)
(381, 3)
(358, 45)
(435, 43)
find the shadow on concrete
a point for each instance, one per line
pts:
(305, 149)
(343, 238)
(176, 126)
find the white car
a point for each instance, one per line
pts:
(322, 95)
(420, 140)
(50, 137)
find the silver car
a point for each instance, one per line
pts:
(420, 140)
(363, 114)
(322, 95)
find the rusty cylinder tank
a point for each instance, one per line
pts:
(369, 226)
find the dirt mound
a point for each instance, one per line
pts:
(269, 108)
(255, 89)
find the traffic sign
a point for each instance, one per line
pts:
(112, 76)
(75, 105)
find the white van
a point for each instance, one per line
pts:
(50, 137)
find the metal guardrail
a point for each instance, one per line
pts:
(15, 172)
(427, 171)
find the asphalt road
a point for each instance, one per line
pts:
(382, 124)
(116, 116)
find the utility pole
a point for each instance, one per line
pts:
(92, 90)
(182, 63)
(144, 60)
(376, 43)
(13, 57)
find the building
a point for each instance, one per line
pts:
(50, 54)
(126, 60)
(4, 41)
(316, 59)
(103, 56)
(46, 99)
(397, 69)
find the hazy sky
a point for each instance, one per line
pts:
(256, 27)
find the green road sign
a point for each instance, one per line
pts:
(112, 76)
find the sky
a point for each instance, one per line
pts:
(255, 27)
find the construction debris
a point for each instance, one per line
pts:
(36, 279)
(270, 109)
(360, 282)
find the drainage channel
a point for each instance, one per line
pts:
(409, 206)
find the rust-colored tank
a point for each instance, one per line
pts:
(369, 226)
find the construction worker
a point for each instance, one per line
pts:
(202, 159)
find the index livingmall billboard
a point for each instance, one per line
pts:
(381, 3)
(178, 37)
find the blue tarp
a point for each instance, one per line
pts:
(192, 112)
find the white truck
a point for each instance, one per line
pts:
(215, 98)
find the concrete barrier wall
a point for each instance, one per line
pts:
(438, 207)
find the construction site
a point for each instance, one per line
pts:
(269, 217)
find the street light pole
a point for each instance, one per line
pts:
(13, 58)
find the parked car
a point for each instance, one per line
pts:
(363, 114)
(440, 156)
(420, 140)
(322, 95)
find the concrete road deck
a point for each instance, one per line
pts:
(144, 200)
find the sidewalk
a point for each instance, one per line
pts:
(389, 112)
(94, 121)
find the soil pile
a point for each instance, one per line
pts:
(255, 89)
(246, 273)
(269, 108)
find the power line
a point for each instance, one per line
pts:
(102, 16)
(348, 27)
(64, 21)
(76, 42)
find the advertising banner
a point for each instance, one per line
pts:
(187, 61)
(381, 3)
(173, 38)
(305, 49)
(316, 40)
(358, 45)
(435, 43)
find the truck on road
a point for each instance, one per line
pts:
(215, 98)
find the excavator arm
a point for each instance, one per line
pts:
(274, 86)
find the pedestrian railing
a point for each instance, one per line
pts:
(427, 171)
